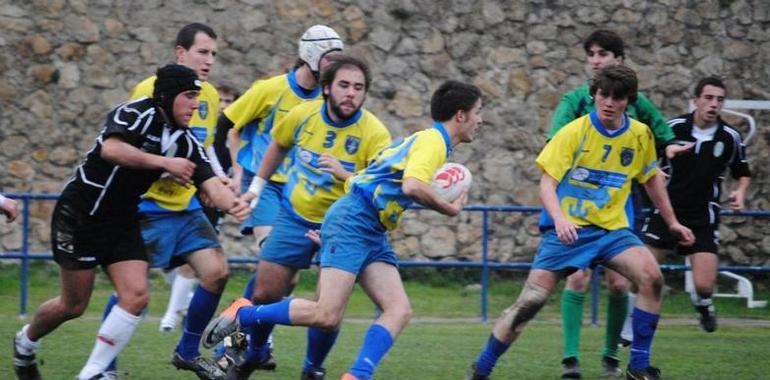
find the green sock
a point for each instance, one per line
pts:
(617, 309)
(571, 321)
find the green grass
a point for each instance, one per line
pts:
(426, 350)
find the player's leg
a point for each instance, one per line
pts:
(705, 266)
(539, 285)
(182, 286)
(75, 287)
(130, 280)
(382, 282)
(638, 265)
(617, 309)
(572, 301)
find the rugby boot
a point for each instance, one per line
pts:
(25, 366)
(570, 368)
(204, 368)
(223, 325)
(313, 374)
(707, 317)
(473, 375)
(611, 368)
(649, 373)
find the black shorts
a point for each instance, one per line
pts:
(656, 233)
(80, 241)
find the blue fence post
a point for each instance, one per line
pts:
(25, 258)
(484, 263)
(596, 282)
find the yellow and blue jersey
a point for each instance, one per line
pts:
(309, 132)
(258, 110)
(418, 156)
(166, 195)
(594, 168)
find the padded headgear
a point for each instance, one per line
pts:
(317, 41)
(170, 81)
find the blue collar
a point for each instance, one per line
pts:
(295, 87)
(342, 123)
(603, 130)
(445, 135)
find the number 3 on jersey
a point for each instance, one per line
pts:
(330, 137)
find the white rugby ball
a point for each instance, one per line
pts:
(450, 180)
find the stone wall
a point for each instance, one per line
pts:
(65, 63)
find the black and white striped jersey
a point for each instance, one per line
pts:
(104, 189)
(695, 181)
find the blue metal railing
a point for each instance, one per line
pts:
(486, 266)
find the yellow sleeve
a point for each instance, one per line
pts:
(250, 106)
(143, 89)
(427, 154)
(380, 140)
(283, 132)
(556, 157)
(649, 157)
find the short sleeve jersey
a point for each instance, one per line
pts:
(104, 189)
(579, 102)
(258, 110)
(310, 132)
(166, 195)
(594, 168)
(417, 156)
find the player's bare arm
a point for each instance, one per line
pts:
(566, 231)
(114, 149)
(274, 156)
(738, 195)
(423, 194)
(221, 197)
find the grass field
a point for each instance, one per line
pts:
(440, 344)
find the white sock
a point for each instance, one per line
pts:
(24, 345)
(697, 300)
(179, 299)
(628, 328)
(113, 336)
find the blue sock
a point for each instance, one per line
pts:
(376, 344)
(202, 307)
(258, 349)
(274, 313)
(319, 344)
(107, 309)
(248, 291)
(644, 325)
(489, 356)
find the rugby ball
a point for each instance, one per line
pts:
(450, 180)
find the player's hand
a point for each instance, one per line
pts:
(240, 210)
(332, 165)
(10, 209)
(314, 235)
(248, 197)
(181, 170)
(674, 149)
(235, 184)
(737, 200)
(686, 237)
(459, 203)
(226, 182)
(566, 231)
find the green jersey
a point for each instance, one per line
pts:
(578, 102)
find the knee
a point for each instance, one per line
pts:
(578, 281)
(525, 308)
(72, 310)
(134, 301)
(651, 282)
(328, 319)
(402, 314)
(617, 285)
(215, 280)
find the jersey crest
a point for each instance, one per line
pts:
(203, 109)
(626, 156)
(719, 148)
(351, 144)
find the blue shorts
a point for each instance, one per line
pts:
(267, 207)
(171, 236)
(594, 246)
(287, 244)
(352, 236)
